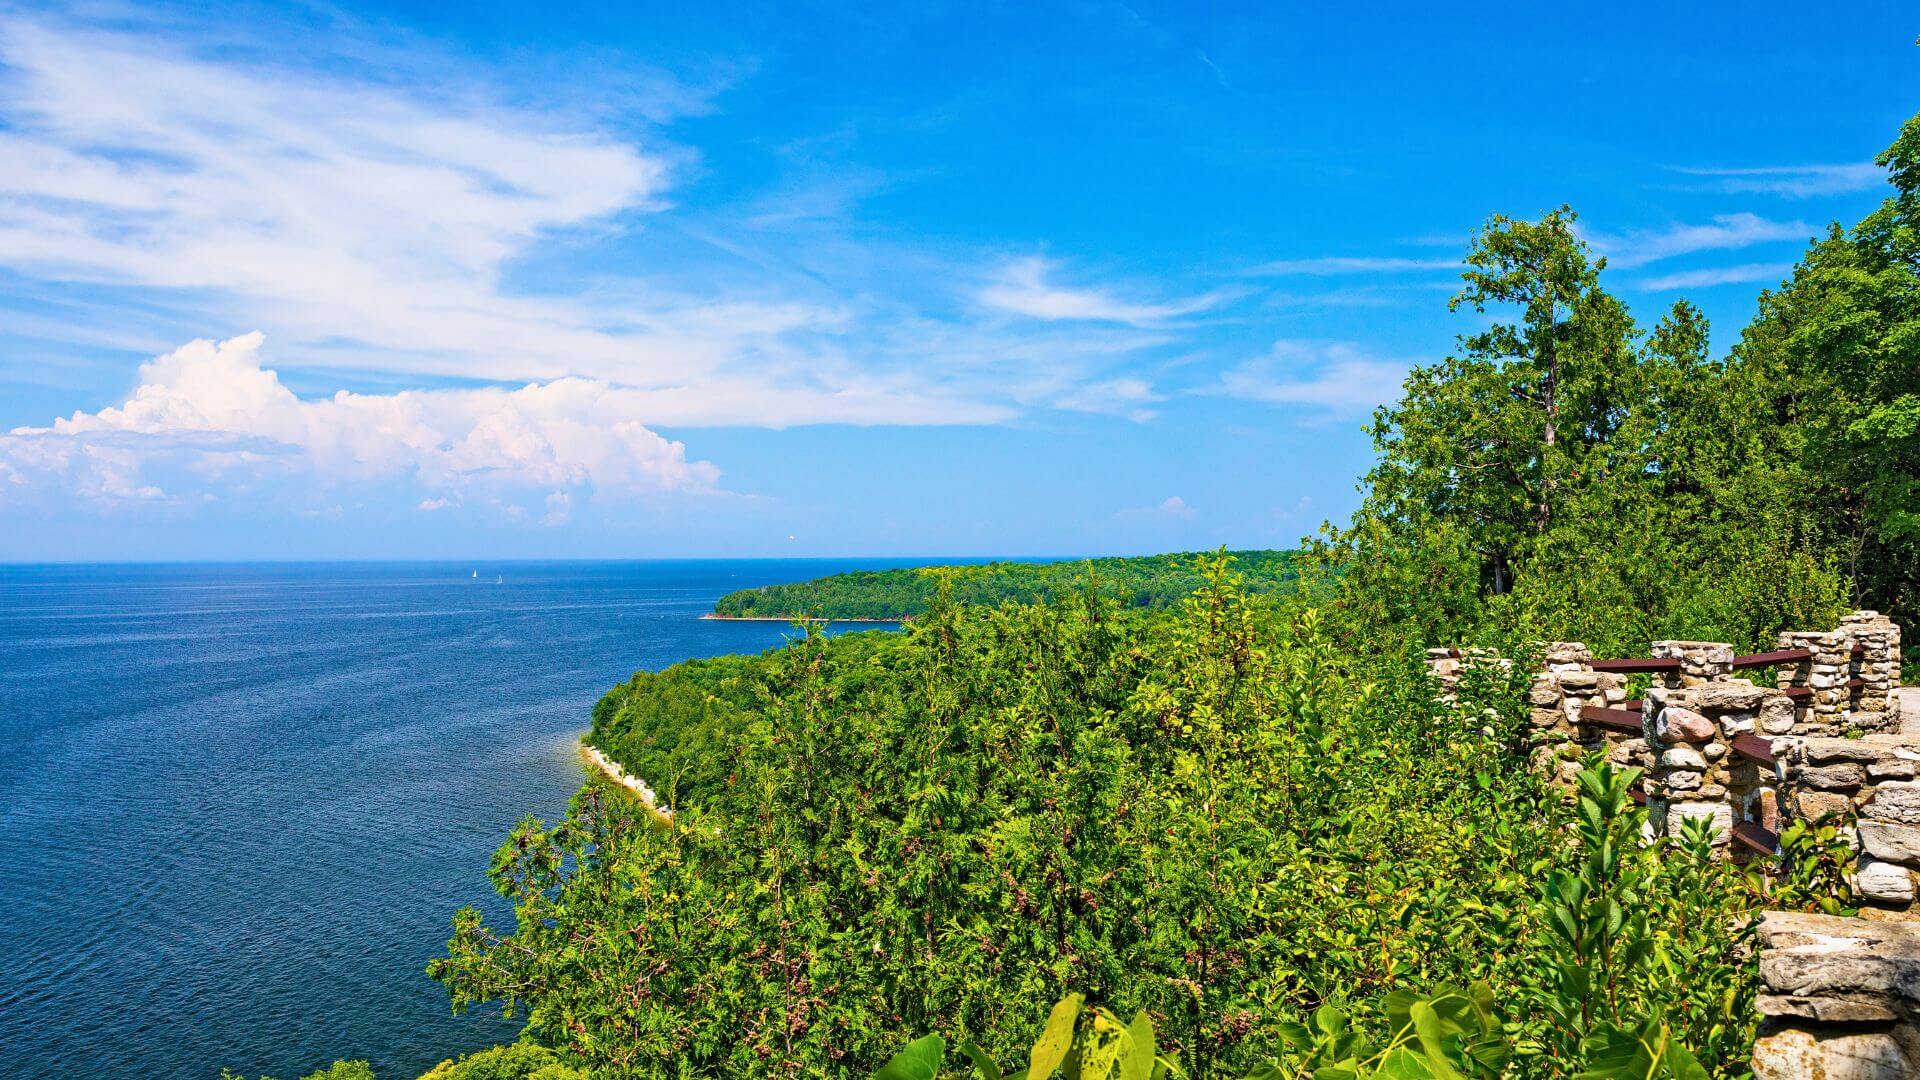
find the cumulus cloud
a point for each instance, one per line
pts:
(1025, 287)
(1796, 181)
(212, 412)
(1725, 232)
(1333, 376)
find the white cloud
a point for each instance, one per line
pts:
(1725, 232)
(1125, 396)
(405, 228)
(1334, 265)
(1333, 376)
(212, 413)
(1022, 286)
(1796, 181)
(1171, 508)
(1745, 273)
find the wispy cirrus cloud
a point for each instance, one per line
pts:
(373, 228)
(1171, 508)
(1329, 266)
(1794, 181)
(1338, 378)
(1743, 274)
(1027, 286)
(384, 229)
(1726, 232)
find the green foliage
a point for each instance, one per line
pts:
(1158, 582)
(1571, 476)
(1216, 819)
(1815, 865)
(1083, 1043)
(339, 1070)
(1214, 816)
(515, 1061)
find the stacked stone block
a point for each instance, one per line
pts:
(1697, 773)
(1874, 655)
(1700, 661)
(1566, 685)
(1867, 788)
(1839, 999)
(1824, 711)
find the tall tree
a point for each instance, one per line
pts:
(1833, 360)
(1492, 439)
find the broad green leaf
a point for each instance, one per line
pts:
(1141, 1052)
(1057, 1040)
(983, 1065)
(919, 1061)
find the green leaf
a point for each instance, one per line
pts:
(1057, 1040)
(983, 1066)
(919, 1061)
(1138, 1064)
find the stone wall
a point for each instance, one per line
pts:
(1712, 742)
(1701, 734)
(1867, 787)
(1839, 999)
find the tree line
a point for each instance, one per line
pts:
(1156, 582)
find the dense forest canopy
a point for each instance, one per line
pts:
(1244, 818)
(1147, 581)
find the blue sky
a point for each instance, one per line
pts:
(505, 280)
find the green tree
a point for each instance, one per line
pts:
(1832, 363)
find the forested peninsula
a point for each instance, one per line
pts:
(1243, 833)
(1156, 582)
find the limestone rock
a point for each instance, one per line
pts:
(1898, 800)
(1883, 882)
(1814, 805)
(1837, 970)
(1793, 1054)
(1827, 751)
(1776, 715)
(1890, 842)
(1683, 757)
(1845, 776)
(1729, 696)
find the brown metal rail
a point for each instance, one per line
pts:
(1753, 748)
(1769, 659)
(1617, 719)
(1756, 838)
(1663, 663)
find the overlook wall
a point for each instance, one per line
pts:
(1840, 997)
(1742, 754)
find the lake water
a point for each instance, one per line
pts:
(243, 802)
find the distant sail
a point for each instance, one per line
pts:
(476, 573)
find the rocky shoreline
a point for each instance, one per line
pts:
(611, 769)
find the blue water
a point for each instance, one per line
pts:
(242, 802)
